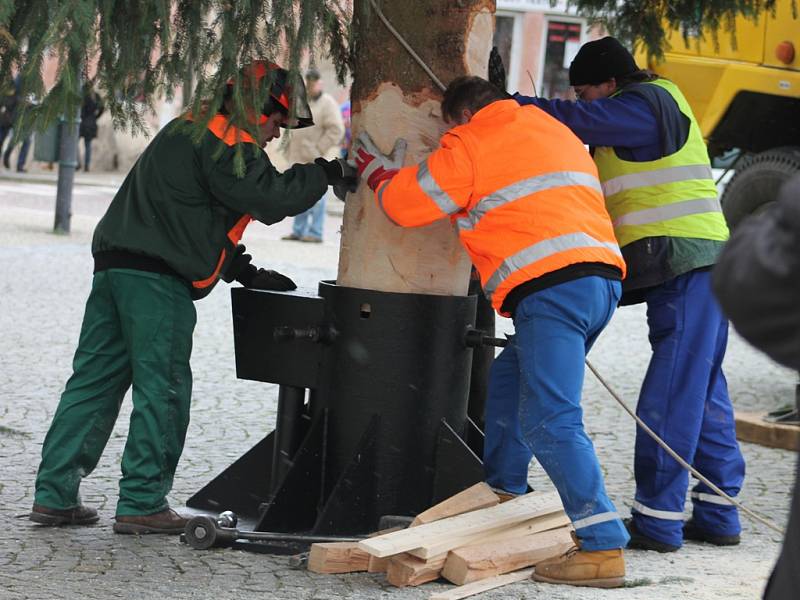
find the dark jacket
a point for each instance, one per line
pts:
(757, 278)
(757, 281)
(91, 109)
(182, 209)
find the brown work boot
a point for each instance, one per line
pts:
(167, 521)
(600, 568)
(503, 495)
(80, 515)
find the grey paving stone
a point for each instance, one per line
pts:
(44, 281)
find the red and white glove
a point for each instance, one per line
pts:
(373, 166)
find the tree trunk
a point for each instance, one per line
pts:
(393, 97)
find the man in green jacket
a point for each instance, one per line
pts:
(169, 235)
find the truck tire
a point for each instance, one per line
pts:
(757, 181)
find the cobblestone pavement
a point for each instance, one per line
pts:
(44, 281)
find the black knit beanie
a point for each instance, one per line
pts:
(599, 61)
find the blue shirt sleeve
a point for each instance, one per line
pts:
(623, 121)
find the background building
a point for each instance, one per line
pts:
(537, 42)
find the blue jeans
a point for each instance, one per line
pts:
(533, 405)
(87, 153)
(310, 222)
(684, 398)
(22, 157)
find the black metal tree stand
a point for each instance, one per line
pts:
(372, 409)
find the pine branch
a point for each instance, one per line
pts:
(144, 50)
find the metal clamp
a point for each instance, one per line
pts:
(318, 335)
(476, 338)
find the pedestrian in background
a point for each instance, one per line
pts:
(91, 109)
(348, 131)
(12, 107)
(321, 140)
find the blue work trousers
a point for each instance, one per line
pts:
(311, 222)
(684, 399)
(533, 405)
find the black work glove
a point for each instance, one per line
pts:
(342, 175)
(241, 270)
(497, 72)
(238, 263)
(264, 279)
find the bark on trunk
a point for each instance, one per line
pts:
(393, 97)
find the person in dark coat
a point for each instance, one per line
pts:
(91, 109)
(757, 282)
(12, 104)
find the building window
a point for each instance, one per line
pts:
(562, 41)
(507, 38)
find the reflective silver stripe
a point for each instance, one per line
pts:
(540, 250)
(433, 191)
(381, 189)
(669, 211)
(526, 187)
(667, 515)
(463, 223)
(619, 184)
(711, 498)
(595, 520)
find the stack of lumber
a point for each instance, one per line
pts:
(470, 539)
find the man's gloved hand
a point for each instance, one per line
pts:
(497, 72)
(264, 279)
(374, 166)
(241, 270)
(342, 175)
(239, 262)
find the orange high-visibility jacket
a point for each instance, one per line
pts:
(522, 190)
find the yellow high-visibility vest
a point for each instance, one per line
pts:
(673, 196)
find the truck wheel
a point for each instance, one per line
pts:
(757, 181)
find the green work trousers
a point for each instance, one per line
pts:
(137, 330)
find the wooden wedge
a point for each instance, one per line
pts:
(484, 585)
(476, 497)
(337, 557)
(405, 569)
(486, 519)
(486, 560)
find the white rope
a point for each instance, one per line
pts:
(753, 515)
(406, 45)
(678, 458)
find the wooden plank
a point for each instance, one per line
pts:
(337, 557)
(535, 525)
(485, 560)
(486, 519)
(405, 569)
(476, 497)
(484, 585)
(751, 427)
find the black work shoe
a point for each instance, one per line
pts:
(80, 515)
(640, 541)
(167, 521)
(692, 532)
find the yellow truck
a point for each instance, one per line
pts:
(746, 98)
